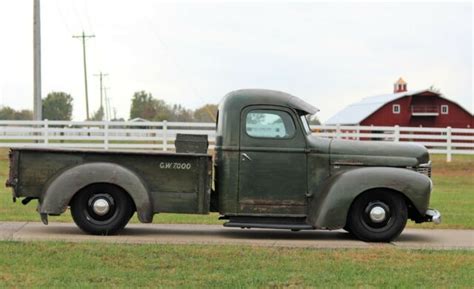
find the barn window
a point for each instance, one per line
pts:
(444, 109)
(396, 108)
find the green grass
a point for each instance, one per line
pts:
(453, 196)
(98, 265)
(453, 193)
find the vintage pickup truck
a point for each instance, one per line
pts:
(268, 171)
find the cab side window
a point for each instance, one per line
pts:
(269, 124)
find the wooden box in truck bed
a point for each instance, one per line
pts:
(175, 182)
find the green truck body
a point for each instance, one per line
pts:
(268, 171)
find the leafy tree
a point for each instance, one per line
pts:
(57, 106)
(8, 113)
(146, 107)
(179, 113)
(163, 111)
(24, 114)
(206, 113)
(313, 119)
(98, 115)
(143, 106)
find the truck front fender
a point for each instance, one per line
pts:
(329, 207)
(62, 188)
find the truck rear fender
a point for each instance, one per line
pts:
(330, 206)
(59, 192)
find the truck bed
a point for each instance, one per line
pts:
(176, 182)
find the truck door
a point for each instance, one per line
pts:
(272, 171)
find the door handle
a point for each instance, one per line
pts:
(246, 157)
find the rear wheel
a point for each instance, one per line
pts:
(377, 216)
(101, 209)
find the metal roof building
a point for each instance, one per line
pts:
(405, 108)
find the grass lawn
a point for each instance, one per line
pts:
(86, 265)
(453, 193)
(453, 196)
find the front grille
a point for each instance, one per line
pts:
(424, 169)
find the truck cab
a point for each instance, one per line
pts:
(272, 172)
(262, 154)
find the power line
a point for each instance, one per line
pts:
(62, 17)
(107, 104)
(87, 15)
(101, 76)
(172, 56)
(77, 13)
(84, 37)
(112, 107)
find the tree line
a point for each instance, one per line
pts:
(145, 106)
(59, 105)
(56, 106)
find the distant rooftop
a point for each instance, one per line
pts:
(357, 112)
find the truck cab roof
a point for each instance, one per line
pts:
(235, 102)
(238, 99)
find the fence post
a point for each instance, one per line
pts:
(396, 137)
(448, 144)
(106, 135)
(45, 131)
(338, 131)
(165, 135)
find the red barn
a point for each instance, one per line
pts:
(427, 108)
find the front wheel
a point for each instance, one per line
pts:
(101, 209)
(378, 216)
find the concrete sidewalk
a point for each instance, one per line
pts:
(219, 235)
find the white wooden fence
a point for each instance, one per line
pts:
(161, 135)
(99, 134)
(447, 141)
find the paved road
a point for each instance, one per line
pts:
(217, 234)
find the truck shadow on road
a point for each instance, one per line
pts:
(243, 233)
(262, 234)
(200, 233)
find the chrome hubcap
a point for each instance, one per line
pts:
(377, 214)
(101, 207)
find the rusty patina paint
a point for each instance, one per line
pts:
(157, 182)
(292, 177)
(302, 177)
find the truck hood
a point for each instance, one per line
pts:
(371, 153)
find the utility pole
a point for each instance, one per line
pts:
(37, 102)
(84, 36)
(107, 104)
(101, 75)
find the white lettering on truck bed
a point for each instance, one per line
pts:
(175, 166)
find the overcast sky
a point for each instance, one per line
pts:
(328, 54)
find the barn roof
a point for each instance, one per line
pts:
(357, 112)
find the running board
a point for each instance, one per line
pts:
(269, 226)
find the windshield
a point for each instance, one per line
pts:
(306, 127)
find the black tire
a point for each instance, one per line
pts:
(120, 209)
(362, 226)
(347, 229)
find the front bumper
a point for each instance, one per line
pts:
(433, 215)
